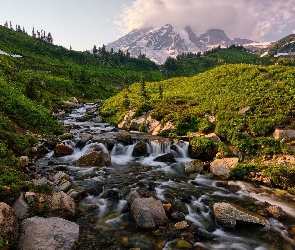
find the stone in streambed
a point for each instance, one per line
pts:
(165, 158)
(62, 149)
(95, 158)
(140, 149)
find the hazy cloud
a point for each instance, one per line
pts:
(238, 18)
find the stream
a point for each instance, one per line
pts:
(103, 214)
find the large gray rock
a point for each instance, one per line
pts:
(228, 215)
(8, 224)
(148, 213)
(48, 234)
(84, 139)
(221, 167)
(62, 205)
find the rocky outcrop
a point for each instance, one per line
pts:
(124, 137)
(284, 134)
(124, 124)
(165, 158)
(228, 215)
(69, 105)
(148, 213)
(140, 149)
(62, 150)
(168, 127)
(48, 233)
(195, 166)
(221, 167)
(62, 205)
(8, 225)
(95, 158)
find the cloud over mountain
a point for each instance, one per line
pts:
(240, 18)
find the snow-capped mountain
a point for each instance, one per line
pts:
(159, 43)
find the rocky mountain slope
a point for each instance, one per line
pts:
(159, 43)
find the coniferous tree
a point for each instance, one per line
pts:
(143, 89)
(160, 92)
(95, 50)
(126, 102)
(6, 24)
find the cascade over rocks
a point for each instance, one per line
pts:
(8, 224)
(228, 215)
(48, 233)
(148, 213)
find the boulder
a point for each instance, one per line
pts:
(228, 215)
(284, 134)
(165, 158)
(148, 213)
(30, 197)
(213, 137)
(82, 142)
(62, 205)
(139, 149)
(95, 158)
(63, 185)
(63, 149)
(60, 176)
(221, 167)
(202, 148)
(132, 196)
(48, 233)
(195, 166)
(20, 208)
(74, 100)
(24, 161)
(124, 137)
(8, 225)
(69, 105)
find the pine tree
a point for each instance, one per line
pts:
(143, 89)
(95, 50)
(6, 24)
(160, 92)
(126, 102)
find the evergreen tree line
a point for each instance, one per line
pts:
(38, 34)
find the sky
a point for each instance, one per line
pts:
(82, 24)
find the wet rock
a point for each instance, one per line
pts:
(165, 158)
(181, 225)
(48, 233)
(140, 149)
(277, 212)
(177, 216)
(124, 137)
(221, 167)
(20, 208)
(82, 142)
(62, 205)
(63, 149)
(148, 213)
(8, 224)
(221, 184)
(95, 158)
(112, 195)
(178, 168)
(179, 206)
(97, 119)
(195, 166)
(66, 136)
(24, 161)
(228, 215)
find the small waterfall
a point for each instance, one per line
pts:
(129, 150)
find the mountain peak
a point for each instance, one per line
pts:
(159, 43)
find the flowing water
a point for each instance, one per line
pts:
(103, 214)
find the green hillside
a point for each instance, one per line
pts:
(191, 64)
(221, 92)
